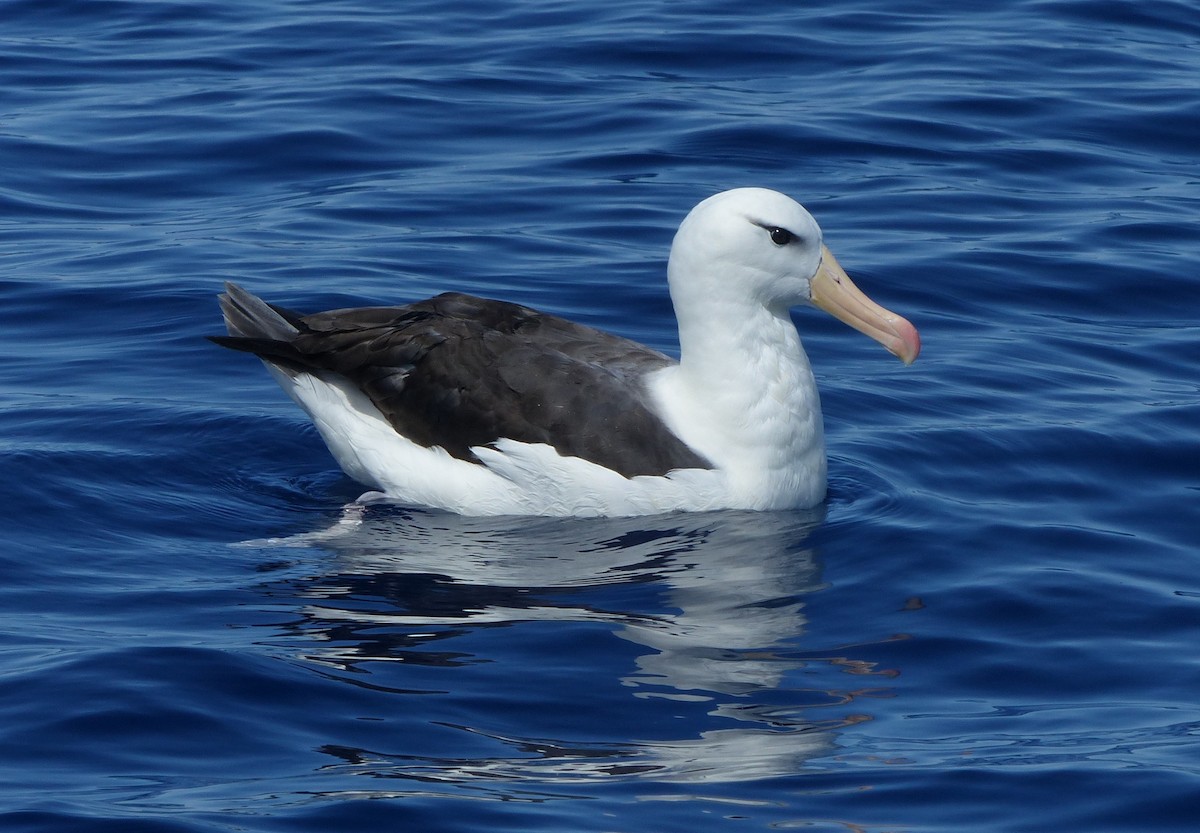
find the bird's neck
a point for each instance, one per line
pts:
(749, 362)
(744, 395)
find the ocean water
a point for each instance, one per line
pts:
(992, 625)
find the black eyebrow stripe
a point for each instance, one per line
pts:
(769, 226)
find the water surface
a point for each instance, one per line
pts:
(991, 625)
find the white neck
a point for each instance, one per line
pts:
(744, 396)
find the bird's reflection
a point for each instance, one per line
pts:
(717, 601)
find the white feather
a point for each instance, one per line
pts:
(742, 396)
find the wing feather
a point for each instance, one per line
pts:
(460, 372)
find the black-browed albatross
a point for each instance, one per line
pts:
(489, 408)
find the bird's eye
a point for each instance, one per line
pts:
(781, 236)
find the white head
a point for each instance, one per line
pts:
(751, 243)
(757, 247)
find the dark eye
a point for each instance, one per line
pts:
(781, 236)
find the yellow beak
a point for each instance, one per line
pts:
(834, 292)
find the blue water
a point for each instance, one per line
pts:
(993, 624)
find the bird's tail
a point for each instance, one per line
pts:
(260, 328)
(248, 316)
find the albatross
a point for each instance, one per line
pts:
(484, 407)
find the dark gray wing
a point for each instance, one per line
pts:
(457, 371)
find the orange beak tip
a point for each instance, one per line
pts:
(907, 345)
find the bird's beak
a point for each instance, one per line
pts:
(834, 292)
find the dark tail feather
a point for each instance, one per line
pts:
(258, 327)
(248, 316)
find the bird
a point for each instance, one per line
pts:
(487, 407)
